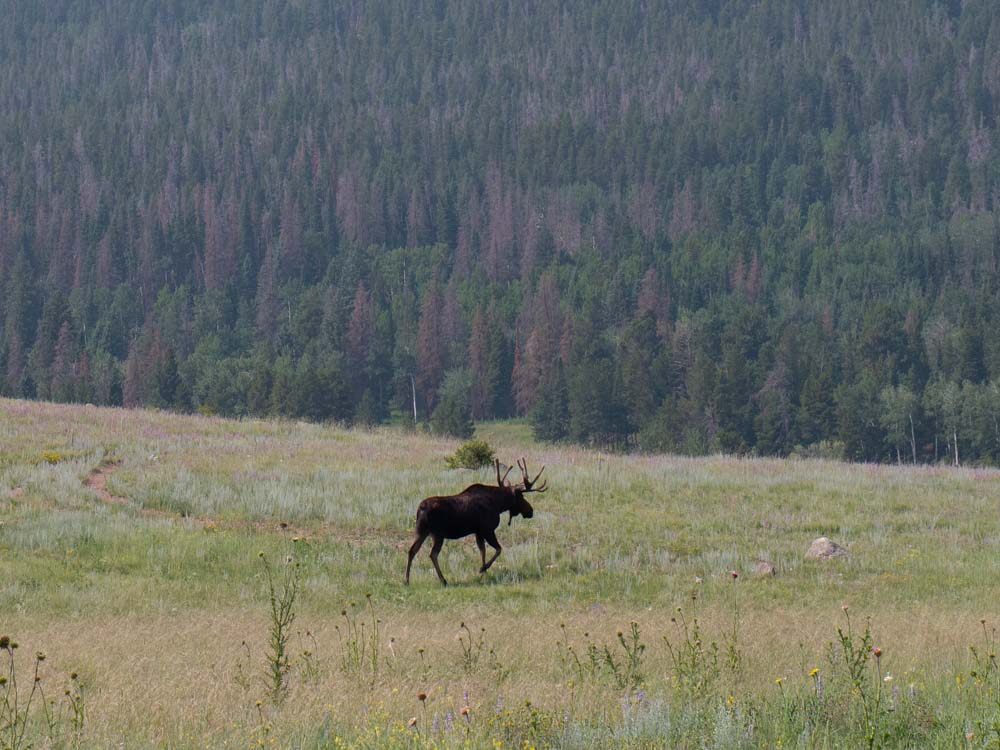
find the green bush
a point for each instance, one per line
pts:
(829, 450)
(472, 455)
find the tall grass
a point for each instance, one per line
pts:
(150, 600)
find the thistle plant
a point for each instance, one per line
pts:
(985, 674)
(308, 664)
(694, 664)
(77, 706)
(862, 661)
(601, 662)
(472, 646)
(360, 639)
(632, 645)
(281, 597)
(15, 709)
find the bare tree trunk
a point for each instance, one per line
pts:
(913, 440)
(413, 389)
(955, 438)
(996, 433)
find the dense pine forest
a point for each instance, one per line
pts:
(765, 227)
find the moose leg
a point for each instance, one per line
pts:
(492, 539)
(414, 549)
(438, 543)
(482, 551)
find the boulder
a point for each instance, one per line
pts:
(825, 549)
(763, 569)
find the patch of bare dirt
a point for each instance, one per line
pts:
(98, 482)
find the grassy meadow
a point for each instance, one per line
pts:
(136, 550)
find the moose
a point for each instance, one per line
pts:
(474, 510)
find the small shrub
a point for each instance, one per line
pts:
(826, 450)
(474, 454)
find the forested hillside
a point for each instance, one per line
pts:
(672, 225)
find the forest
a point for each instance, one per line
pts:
(763, 228)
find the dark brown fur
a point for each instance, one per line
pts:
(475, 510)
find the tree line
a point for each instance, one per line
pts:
(694, 227)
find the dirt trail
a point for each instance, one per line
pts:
(98, 482)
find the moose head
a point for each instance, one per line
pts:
(519, 506)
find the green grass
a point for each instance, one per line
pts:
(513, 432)
(151, 598)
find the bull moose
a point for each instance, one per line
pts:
(474, 510)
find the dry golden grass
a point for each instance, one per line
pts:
(174, 677)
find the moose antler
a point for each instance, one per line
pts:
(501, 481)
(529, 483)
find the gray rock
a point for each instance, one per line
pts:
(825, 549)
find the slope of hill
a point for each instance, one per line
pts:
(136, 548)
(684, 226)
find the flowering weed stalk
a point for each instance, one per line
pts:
(282, 611)
(15, 710)
(855, 654)
(309, 666)
(360, 640)
(985, 675)
(473, 647)
(624, 672)
(694, 664)
(634, 648)
(77, 707)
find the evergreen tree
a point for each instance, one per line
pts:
(166, 381)
(550, 414)
(453, 413)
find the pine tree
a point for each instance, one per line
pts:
(430, 352)
(550, 414)
(453, 414)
